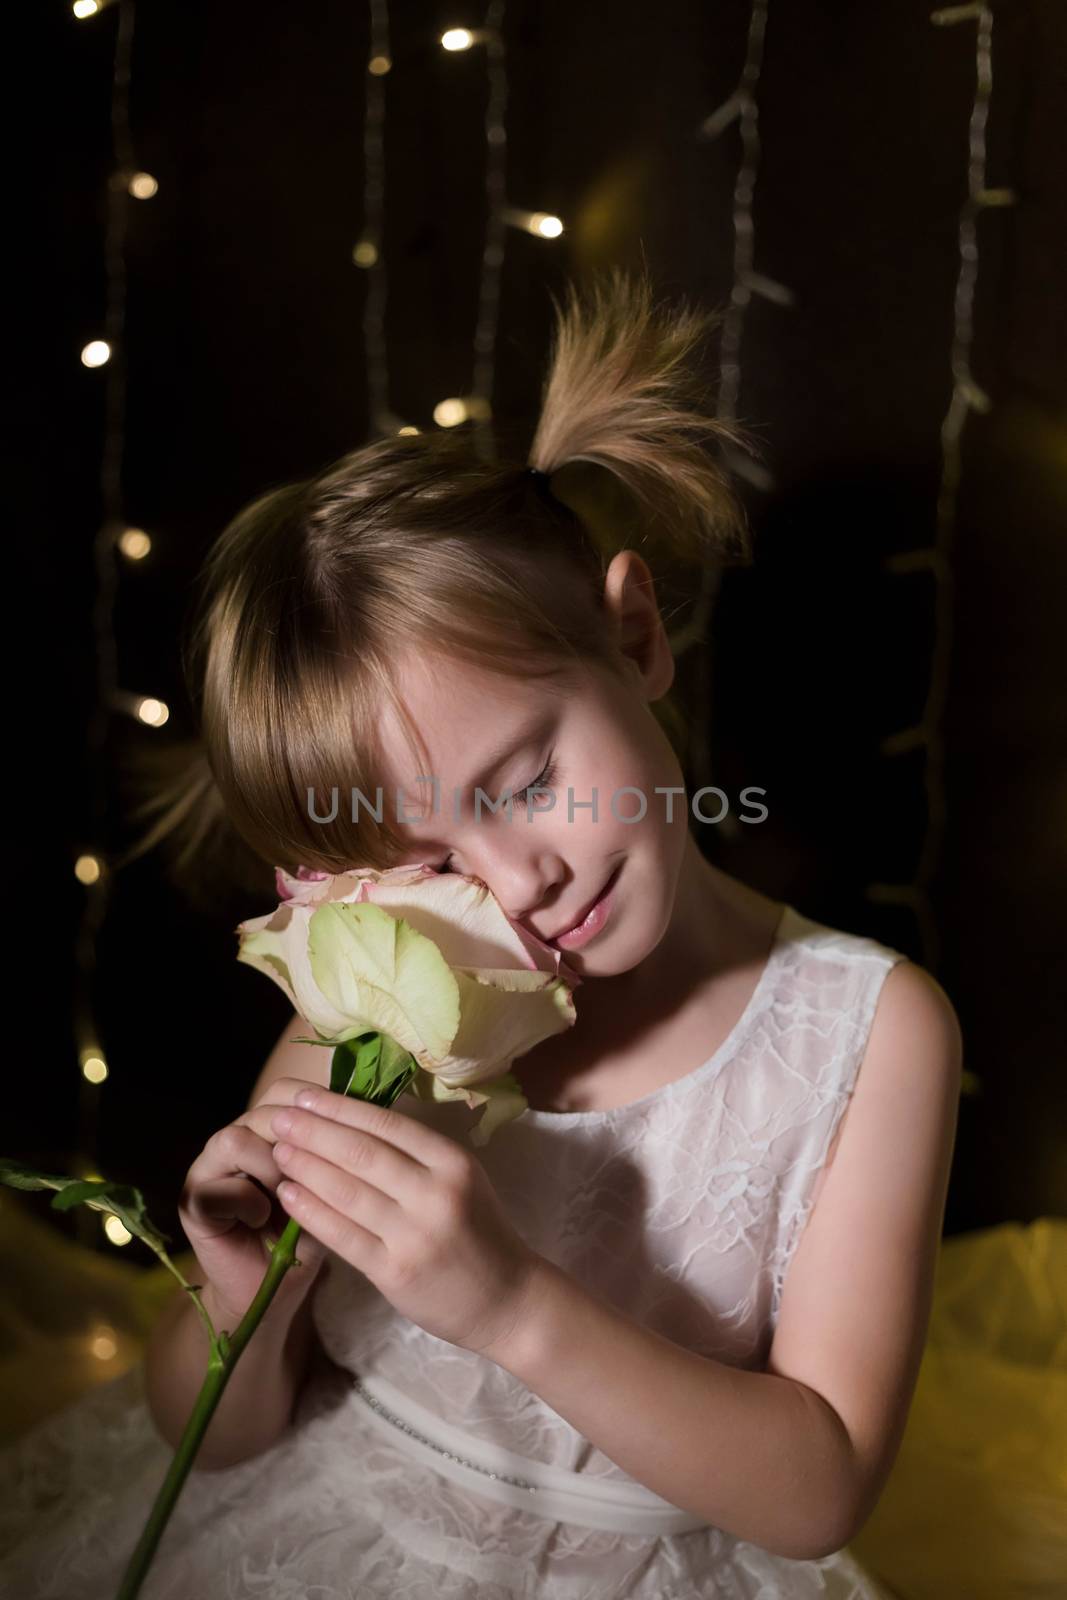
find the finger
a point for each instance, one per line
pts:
(215, 1208)
(413, 1138)
(342, 1191)
(233, 1149)
(283, 1091)
(394, 1172)
(222, 1185)
(343, 1235)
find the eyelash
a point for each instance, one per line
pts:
(544, 780)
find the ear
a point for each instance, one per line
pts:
(633, 613)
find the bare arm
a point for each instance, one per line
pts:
(258, 1401)
(793, 1458)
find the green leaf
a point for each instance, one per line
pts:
(121, 1200)
(19, 1176)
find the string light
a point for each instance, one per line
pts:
(540, 223)
(103, 1343)
(368, 252)
(477, 406)
(152, 712)
(134, 543)
(87, 869)
(467, 408)
(741, 105)
(116, 1232)
(967, 396)
(93, 1065)
(486, 322)
(84, 9)
(114, 536)
(142, 186)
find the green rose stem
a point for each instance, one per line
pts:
(226, 1350)
(370, 1067)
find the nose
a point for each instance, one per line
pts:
(520, 876)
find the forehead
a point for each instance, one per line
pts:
(457, 710)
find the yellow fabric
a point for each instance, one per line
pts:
(976, 1505)
(63, 1308)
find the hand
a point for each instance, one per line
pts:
(411, 1210)
(228, 1206)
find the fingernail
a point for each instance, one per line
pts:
(282, 1152)
(307, 1098)
(281, 1122)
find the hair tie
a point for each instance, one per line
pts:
(542, 483)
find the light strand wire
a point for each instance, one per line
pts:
(935, 559)
(488, 315)
(742, 105)
(370, 251)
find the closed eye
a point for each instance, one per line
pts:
(544, 780)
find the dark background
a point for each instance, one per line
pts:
(245, 369)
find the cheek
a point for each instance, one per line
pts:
(639, 818)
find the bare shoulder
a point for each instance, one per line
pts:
(915, 1031)
(857, 1296)
(912, 1005)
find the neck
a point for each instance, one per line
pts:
(700, 940)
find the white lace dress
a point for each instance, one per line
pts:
(683, 1209)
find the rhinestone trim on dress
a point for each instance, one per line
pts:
(399, 1422)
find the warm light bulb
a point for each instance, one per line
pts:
(143, 186)
(153, 712)
(379, 65)
(96, 353)
(542, 223)
(87, 869)
(84, 8)
(116, 1232)
(102, 1343)
(365, 253)
(134, 543)
(94, 1068)
(408, 429)
(448, 413)
(457, 39)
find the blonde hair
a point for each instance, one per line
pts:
(415, 540)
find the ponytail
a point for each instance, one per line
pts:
(624, 393)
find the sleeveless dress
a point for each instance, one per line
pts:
(415, 1468)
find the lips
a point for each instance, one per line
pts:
(580, 918)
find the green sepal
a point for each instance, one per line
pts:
(372, 1067)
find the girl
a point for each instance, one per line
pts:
(665, 1327)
